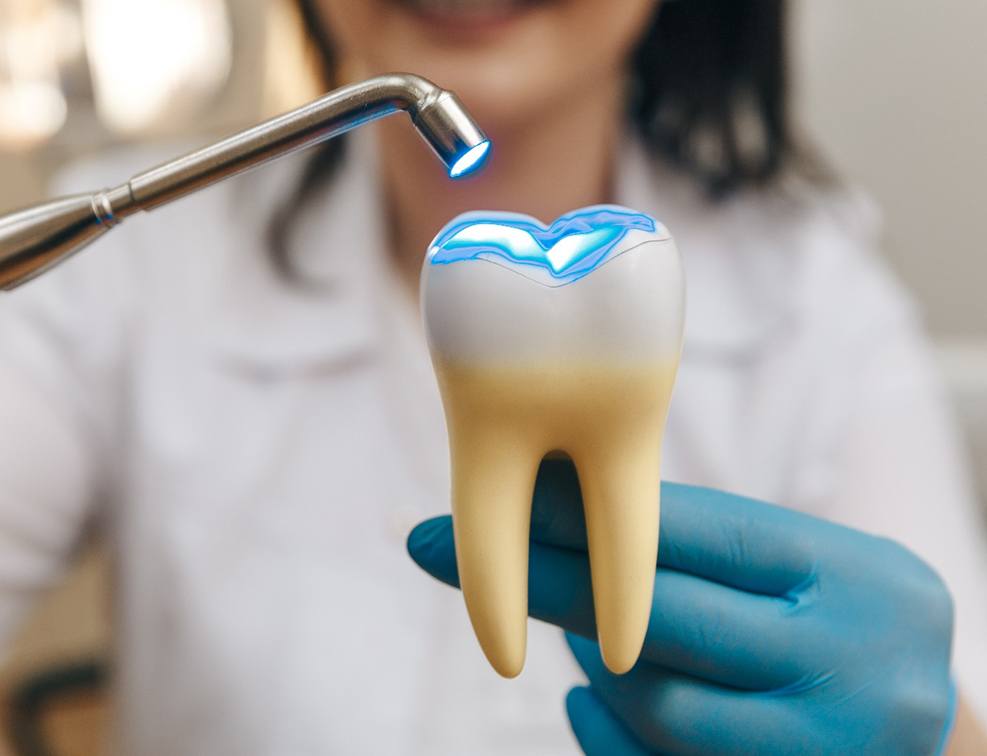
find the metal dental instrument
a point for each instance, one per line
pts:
(35, 239)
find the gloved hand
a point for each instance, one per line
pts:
(771, 632)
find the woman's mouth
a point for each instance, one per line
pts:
(467, 13)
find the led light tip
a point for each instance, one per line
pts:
(470, 160)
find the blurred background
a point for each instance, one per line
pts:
(890, 93)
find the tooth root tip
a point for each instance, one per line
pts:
(507, 668)
(620, 661)
(621, 667)
(509, 673)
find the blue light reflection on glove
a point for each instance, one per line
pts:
(771, 631)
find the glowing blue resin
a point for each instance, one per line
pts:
(572, 247)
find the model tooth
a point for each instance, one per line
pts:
(561, 339)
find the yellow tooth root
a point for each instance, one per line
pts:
(621, 504)
(502, 421)
(492, 482)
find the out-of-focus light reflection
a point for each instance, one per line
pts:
(155, 60)
(36, 38)
(30, 113)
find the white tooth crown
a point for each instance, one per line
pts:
(559, 339)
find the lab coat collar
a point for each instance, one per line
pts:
(739, 280)
(264, 323)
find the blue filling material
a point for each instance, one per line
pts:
(572, 247)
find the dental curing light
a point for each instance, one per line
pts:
(472, 159)
(35, 239)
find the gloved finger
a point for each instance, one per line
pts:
(735, 541)
(676, 714)
(598, 731)
(697, 627)
(430, 544)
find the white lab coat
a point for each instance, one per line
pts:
(257, 454)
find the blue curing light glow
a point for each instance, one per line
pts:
(470, 160)
(571, 247)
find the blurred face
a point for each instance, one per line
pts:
(507, 59)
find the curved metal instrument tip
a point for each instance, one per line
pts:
(452, 134)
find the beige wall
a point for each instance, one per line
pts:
(895, 92)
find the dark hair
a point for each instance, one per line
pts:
(708, 95)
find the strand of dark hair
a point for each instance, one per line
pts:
(711, 91)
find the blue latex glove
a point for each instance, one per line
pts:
(771, 632)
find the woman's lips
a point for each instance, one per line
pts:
(467, 14)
